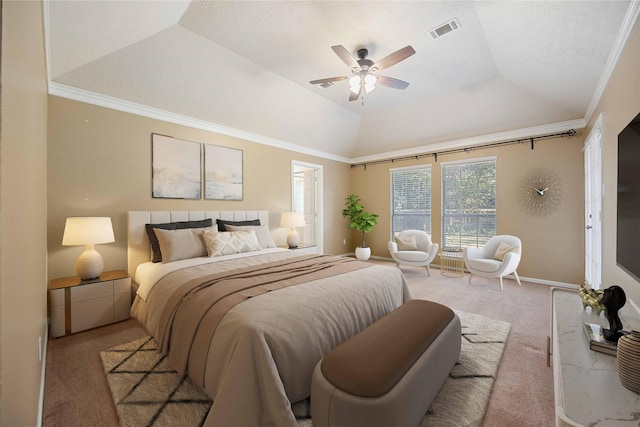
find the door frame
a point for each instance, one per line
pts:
(593, 194)
(295, 164)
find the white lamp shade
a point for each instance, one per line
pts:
(292, 219)
(87, 231)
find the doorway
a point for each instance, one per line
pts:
(306, 196)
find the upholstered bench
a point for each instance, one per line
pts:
(389, 373)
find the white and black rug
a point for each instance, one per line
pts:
(148, 393)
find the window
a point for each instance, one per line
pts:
(468, 202)
(411, 199)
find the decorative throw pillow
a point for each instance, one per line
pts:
(407, 243)
(153, 240)
(181, 244)
(223, 222)
(502, 250)
(262, 233)
(230, 242)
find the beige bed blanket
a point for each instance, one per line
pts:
(263, 352)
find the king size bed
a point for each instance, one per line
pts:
(249, 323)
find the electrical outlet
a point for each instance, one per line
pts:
(344, 241)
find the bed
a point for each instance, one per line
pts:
(255, 355)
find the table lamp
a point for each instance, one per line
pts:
(88, 231)
(292, 220)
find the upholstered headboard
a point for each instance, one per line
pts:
(138, 247)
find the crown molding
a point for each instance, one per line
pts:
(523, 133)
(93, 98)
(628, 26)
(100, 100)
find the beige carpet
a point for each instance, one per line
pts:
(148, 393)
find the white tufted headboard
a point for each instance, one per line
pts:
(138, 247)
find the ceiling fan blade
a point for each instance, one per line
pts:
(346, 57)
(328, 80)
(391, 82)
(394, 58)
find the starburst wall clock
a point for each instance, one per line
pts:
(541, 192)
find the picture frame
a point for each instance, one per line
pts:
(223, 173)
(176, 170)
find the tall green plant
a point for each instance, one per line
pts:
(359, 219)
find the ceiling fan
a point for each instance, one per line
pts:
(363, 76)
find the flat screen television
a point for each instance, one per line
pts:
(628, 225)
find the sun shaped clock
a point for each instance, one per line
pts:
(541, 192)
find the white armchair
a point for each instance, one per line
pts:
(415, 249)
(498, 258)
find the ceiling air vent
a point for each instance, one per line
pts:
(326, 84)
(443, 29)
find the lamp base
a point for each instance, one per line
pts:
(293, 239)
(89, 264)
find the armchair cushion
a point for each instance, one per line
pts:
(412, 256)
(483, 264)
(502, 250)
(406, 243)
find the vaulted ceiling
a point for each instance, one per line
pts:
(246, 66)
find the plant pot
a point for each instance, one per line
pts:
(363, 254)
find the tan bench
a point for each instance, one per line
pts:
(390, 373)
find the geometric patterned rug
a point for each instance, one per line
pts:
(148, 393)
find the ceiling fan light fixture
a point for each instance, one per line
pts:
(369, 83)
(354, 83)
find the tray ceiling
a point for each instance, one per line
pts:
(247, 65)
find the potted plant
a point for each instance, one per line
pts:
(360, 220)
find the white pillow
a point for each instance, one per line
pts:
(407, 243)
(181, 244)
(262, 233)
(502, 250)
(230, 242)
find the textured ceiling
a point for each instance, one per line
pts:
(247, 65)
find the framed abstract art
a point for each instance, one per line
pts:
(223, 179)
(176, 172)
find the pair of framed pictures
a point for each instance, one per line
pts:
(177, 170)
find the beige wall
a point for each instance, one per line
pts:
(552, 244)
(23, 221)
(619, 104)
(99, 164)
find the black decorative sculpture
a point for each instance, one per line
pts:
(613, 298)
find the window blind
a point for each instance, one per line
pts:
(468, 203)
(411, 199)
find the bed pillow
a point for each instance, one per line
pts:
(262, 233)
(182, 243)
(230, 242)
(157, 254)
(223, 222)
(502, 250)
(407, 243)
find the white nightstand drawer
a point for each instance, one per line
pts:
(91, 313)
(92, 291)
(56, 297)
(122, 286)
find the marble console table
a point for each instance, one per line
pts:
(587, 389)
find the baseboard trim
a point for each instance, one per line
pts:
(43, 371)
(550, 283)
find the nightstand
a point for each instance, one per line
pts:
(303, 248)
(77, 305)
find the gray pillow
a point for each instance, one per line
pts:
(222, 222)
